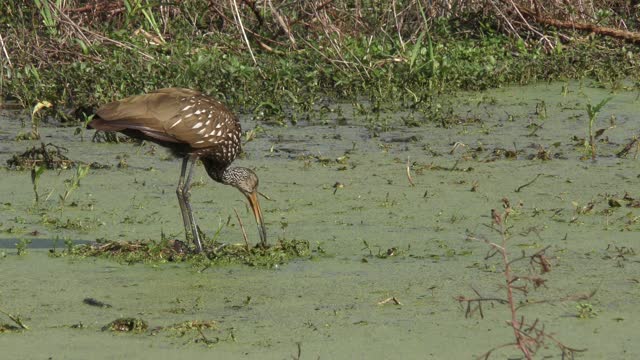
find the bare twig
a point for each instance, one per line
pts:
(283, 24)
(265, 196)
(529, 336)
(497, 9)
(238, 18)
(621, 153)
(531, 28)
(391, 300)
(521, 341)
(4, 50)
(527, 184)
(244, 233)
(398, 25)
(478, 302)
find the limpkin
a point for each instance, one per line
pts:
(193, 126)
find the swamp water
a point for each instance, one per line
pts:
(373, 236)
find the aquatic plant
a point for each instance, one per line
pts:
(22, 245)
(138, 326)
(74, 183)
(16, 319)
(36, 172)
(214, 253)
(133, 325)
(34, 134)
(35, 119)
(592, 112)
(390, 252)
(50, 156)
(585, 311)
(85, 120)
(529, 337)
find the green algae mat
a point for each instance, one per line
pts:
(386, 230)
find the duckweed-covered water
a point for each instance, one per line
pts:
(339, 180)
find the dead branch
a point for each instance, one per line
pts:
(283, 24)
(565, 24)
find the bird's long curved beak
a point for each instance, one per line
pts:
(255, 206)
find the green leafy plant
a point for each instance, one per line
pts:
(134, 6)
(22, 246)
(83, 125)
(586, 311)
(592, 112)
(73, 183)
(36, 172)
(408, 54)
(49, 17)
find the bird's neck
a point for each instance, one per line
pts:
(214, 169)
(222, 174)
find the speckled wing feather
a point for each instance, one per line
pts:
(175, 115)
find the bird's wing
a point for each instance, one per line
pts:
(146, 113)
(174, 115)
(203, 122)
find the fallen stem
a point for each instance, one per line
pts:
(409, 173)
(392, 300)
(265, 196)
(627, 148)
(527, 184)
(16, 320)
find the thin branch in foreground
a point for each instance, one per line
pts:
(4, 50)
(236, 15)
(529, 336)
(244, 233)
(478, 301)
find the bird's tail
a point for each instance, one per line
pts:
(100, 124)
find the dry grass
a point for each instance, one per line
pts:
(287, 25)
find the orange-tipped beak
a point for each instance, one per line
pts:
(255, 206)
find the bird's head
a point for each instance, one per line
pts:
(246, 181)
(242, 179)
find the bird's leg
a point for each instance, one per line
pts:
(186, 195)
(183, 208)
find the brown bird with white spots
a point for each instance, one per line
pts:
(193, 126)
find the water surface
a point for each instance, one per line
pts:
(330, 304)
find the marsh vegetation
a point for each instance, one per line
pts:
(383, 132)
